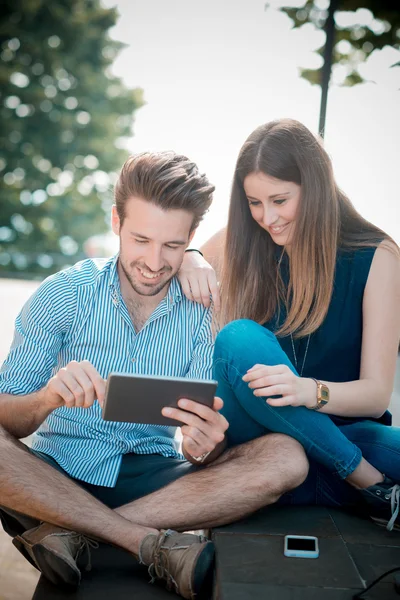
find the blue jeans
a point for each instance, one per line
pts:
(334, 451)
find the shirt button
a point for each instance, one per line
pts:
(133, 359)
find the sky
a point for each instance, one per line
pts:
(213, 70)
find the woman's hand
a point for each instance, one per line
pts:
(199, 280)
(279, 380)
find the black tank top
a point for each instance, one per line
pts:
(334, 349)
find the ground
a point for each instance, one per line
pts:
(17, 577)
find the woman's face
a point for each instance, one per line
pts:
(273, 204)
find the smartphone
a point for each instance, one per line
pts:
(301, 546)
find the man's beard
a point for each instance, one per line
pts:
(138, 287)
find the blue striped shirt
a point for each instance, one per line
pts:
(79, 314)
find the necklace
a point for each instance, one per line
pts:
(291, 337)
(295, 356)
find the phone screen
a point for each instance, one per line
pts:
(300, 544)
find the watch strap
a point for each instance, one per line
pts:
(322, 394)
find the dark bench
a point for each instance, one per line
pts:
(251, 566)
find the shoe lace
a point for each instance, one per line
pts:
(159, 569)
(85, 543)
(394, 505)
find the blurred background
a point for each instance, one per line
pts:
(84, 83)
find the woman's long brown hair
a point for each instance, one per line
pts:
(251, 286)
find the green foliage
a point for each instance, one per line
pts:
(383, 30)
(63, 116)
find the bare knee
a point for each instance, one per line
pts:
(293, 459)
(279, 461)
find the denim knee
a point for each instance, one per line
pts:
(236, 335)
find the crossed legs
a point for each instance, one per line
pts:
(242, 480)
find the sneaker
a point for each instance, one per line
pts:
(55, 552)
(383, 503)
(185, 561)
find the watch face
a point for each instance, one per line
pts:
(324, 393)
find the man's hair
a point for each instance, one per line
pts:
(168, 180)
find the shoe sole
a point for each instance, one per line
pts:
(203, 575)
(20, 546)
(53, 566)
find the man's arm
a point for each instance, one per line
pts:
(218, 450)
(40, 329)
(22, 415)
(203, 428)
(77, 385)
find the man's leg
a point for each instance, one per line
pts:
(15, 523)
(244, 479)
(239, 482)
(30, 486)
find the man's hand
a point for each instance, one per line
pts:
(75, 386)
(279, 380)
(204, 428)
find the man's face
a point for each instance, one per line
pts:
(152, 244)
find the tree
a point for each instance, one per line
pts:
(378, 26)
(63, 118)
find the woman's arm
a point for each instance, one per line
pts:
(199, 276)
(213, 249)
(370, 395)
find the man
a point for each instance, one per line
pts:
(117, 482)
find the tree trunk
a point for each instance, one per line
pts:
(327, 66)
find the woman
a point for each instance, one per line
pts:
(310, 302)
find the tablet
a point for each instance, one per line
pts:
(139, 398)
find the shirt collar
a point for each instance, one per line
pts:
(113, 282)
(113, 275)
(174, 291)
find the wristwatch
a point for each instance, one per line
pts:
(322, 394)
